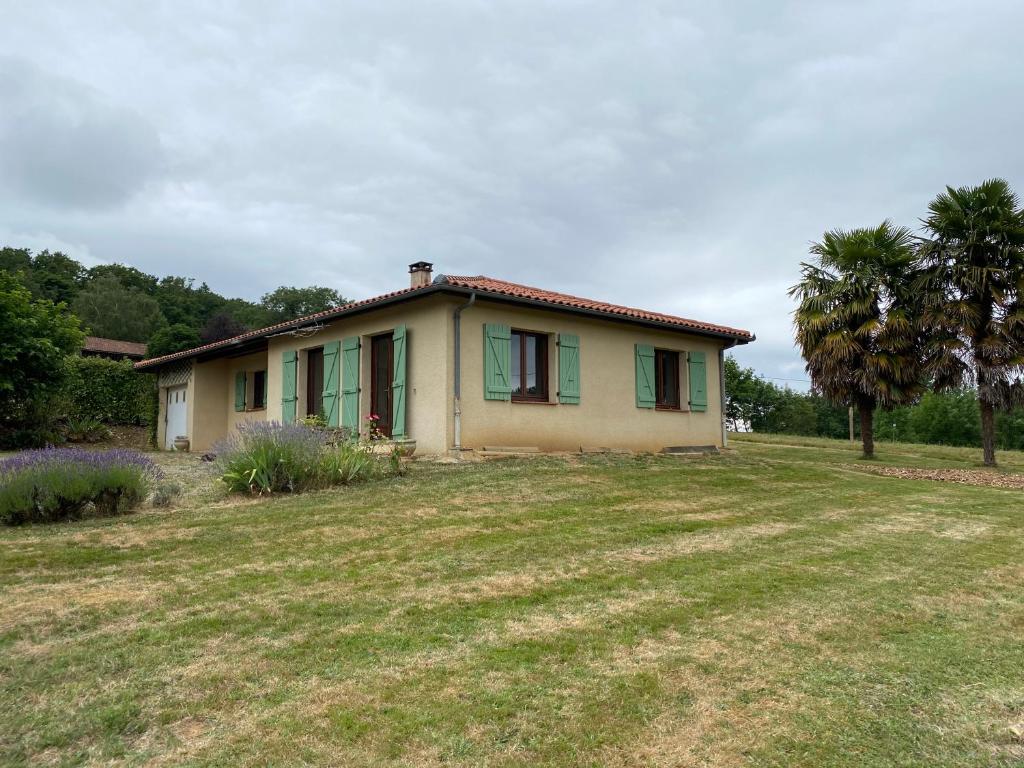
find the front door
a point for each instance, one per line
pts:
(176, 414)
(382, 351)
(315, 382)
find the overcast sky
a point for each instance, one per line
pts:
(676, 156)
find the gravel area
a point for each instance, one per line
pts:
(986, 477)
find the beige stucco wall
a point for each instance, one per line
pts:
(208, 405)
(607, 416)
(249, 365)
(427, 373)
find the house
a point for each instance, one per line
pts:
(95, 346)
(459, 363)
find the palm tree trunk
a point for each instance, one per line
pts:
(988, 431)
(866, 407)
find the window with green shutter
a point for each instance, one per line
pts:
(350, 384)
(399, 341)
(568, 369)
(497, 361)
(332, 378)
(289, 380)
(698, 375)
(259, 389)
(240, 391)
(644, 361)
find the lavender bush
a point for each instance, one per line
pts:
(71, 483)
(267, 456)
(270, 457)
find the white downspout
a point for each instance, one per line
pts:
(721, 395)
(457, 315)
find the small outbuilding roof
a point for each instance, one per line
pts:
(97, 345)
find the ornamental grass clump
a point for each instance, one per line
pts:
(54, 484)
(270, 457)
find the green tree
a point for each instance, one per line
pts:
(129, 277)
(287, 303)
(221, 326)
(110, 310)
(792, 413)
(56, 276)
(177, 300)
(171, 339)
(974, 292)
(247, 313)
(35, 338)
(947, 418)
(749, 398)
(857, 321)
(16, 261)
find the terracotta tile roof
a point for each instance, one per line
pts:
(490, 285)
(114, 346)
(327, 314)
(478, 283)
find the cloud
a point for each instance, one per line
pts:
(64, 146)
(672, 155)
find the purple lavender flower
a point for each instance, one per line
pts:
(68, 483)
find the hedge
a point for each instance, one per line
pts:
(110, 391)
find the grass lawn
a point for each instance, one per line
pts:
(772, 606)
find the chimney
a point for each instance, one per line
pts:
(419, 274)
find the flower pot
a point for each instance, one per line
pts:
(181, 443)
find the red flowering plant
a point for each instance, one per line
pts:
(373, 432)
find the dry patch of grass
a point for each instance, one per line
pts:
(763, 607)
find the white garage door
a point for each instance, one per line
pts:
(177, 421)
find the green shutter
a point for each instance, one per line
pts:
(332, 353)
(568, 368)
(240, 391)
(399, 340)
(645, 394)
(497, 361)
(263, 402)
(698, 376)
(289, 374)
(350, 384)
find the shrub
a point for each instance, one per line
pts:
(110, 391)
(72, 483)
(85, 429)
(348, 463)
(35, 339)
(268, 457)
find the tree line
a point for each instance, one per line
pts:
(49, 301)
(940, 418)
(886, 315)
(168, 313)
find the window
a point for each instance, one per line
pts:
(666, 379)
(259, 390)
(529, 377)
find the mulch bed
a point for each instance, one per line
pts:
(985, 477)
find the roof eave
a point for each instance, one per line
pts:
(735, 338)
(220, 348)
(285, 328)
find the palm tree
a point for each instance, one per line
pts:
(858, 323)
(973, 286)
